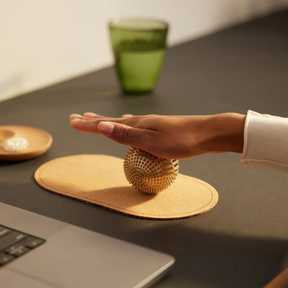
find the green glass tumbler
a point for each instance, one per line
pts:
(139, 47)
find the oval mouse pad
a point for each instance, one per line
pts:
(100, 179)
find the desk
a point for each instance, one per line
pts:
(242, 242)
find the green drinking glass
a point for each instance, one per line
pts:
(139, 47)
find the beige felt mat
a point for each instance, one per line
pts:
(100, 179)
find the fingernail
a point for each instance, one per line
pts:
(75, 115)
(127, 115)
(73, 121)
(106, 128)
(90, 114)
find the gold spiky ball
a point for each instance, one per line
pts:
(148, 173)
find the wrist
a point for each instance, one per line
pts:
(227, 132)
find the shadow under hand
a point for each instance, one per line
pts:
(121, 197)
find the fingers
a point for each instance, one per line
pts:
(89, 121)
(113, 128)
(90, 125)
(121, 133)
(85, 115)
(94, 115)
(84, 126)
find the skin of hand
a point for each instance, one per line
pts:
(170, 137)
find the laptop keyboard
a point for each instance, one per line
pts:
(14, 244)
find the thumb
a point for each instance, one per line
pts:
(124, 134)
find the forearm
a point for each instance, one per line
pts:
(226, 132)
(262, 139)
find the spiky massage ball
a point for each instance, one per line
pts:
(148, 173)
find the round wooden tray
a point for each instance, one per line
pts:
(39, 142)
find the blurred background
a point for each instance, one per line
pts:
(46, 42)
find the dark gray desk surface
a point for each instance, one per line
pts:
(242, 242)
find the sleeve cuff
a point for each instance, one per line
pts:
(265, 141)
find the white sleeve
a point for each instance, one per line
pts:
(265, 141)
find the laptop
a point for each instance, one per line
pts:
(40, 252)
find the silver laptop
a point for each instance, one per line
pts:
(39, 252)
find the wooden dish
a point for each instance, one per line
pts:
(39, 142)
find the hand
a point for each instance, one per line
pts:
(171, 137)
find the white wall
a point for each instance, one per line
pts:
(48, 41)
